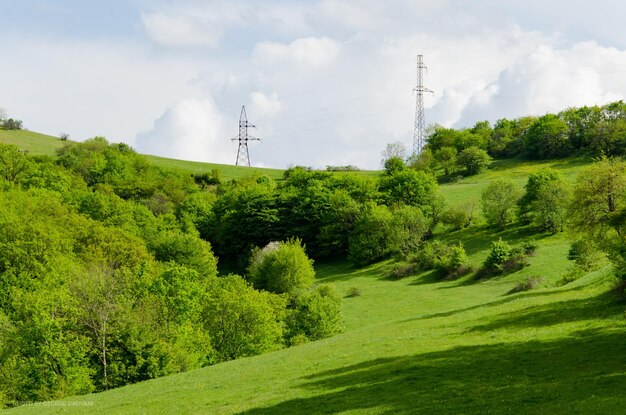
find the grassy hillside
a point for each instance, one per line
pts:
(421, 345)
(42, 144)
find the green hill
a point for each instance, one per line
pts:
(422, 345)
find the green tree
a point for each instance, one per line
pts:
(281, 268)
(410, 187)
(316, 315)
(473, 160)
(499, 200)
(243, 321)
(550, 208)
(547, 138)
(535, 181)
(446, 158)
(408, 227)
(369, 239)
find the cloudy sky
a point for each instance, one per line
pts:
(327, 82)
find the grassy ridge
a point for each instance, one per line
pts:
(421, 345)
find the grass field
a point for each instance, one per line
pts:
(421, 345)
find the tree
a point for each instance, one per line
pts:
(393, 150)
(282, 267)
(534, 183)
(446, 158)
(241, 320)
(550, 207)
(547, 138)
(369, 239)
(473, 160)
(408, 228)
(415, 188)
(316, 315)
(499, 200)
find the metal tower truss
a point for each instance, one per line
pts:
(419, 139)
(243, 155)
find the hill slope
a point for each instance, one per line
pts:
(421, 345)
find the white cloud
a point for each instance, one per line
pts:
(192, 129)
(307, 51)
(181, 30)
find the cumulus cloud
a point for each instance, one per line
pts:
(192, 129)
(306, 51)
(181, 30)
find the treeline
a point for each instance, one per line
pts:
(588, 130)
(105, 279)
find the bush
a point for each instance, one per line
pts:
(369, 240)
(354, 292)
(474, 160)
(402, 270)
(527, 283)
(504, 259)
(453, 265)
(12, 124)
(499, 200)
(571, 275)
(460, 217)
(585, 254)
(316, 315)
(282, 268)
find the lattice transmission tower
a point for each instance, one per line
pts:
(243, 156)
(419, 135)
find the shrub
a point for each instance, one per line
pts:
(527, 283)
(316, 315)
(499, 200)
(369, 240)
(460, 217)
(402, 270)
(571, 275)
(455, 264)
(354, 292)
(503, 259)
(530, 247)
(282, 268)
(430, 253)
(585, 254)
(474, 160)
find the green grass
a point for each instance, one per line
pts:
(422, 345)
(34, 143)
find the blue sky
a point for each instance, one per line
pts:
(326, 81)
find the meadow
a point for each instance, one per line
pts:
(422, 345)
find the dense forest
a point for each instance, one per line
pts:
(109, 264)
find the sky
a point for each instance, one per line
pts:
(326, 82)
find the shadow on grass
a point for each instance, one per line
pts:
(344, 270)
(599, 307)
(580, 374)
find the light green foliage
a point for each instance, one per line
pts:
(282, 268)
(185, 249)
(535, 181)
(585, 254)
(500, 252)
(473, 159)
(446, 158)
(460, 217)
(498, 201)
(242, 320)
(408, 227)
(550, 207)
(316, 315)
(369, 239)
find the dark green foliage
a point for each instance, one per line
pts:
(550, 208)
(282, 268)
(410, 187)
(449, 261)
(11, 124)
(547, 138)
(316, 315)
(369, 239)
(474, 160)
(446, 159)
